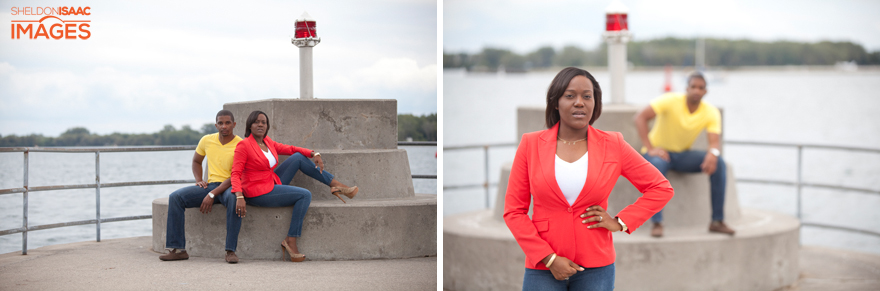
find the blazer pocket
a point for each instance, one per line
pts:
(542, 226)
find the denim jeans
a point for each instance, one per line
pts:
(281, 196)
(689, 162)
(189, 197)
(590, 279)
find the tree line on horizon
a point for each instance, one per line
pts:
(670, 51)
(420, 128)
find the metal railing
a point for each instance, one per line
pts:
(486, 183)
(419, 143)
(799, 183)
(25, 189)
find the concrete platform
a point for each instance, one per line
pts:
(129, 264)
(481, 254)
(361, 229)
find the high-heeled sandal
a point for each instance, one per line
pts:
(285, 248)
(348, 192)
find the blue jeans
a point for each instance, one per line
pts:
(189, 197)
(590, 279)
(689, 162)
(281, 196)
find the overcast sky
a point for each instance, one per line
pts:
(524, 25)
(152, 63)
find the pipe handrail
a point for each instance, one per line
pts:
(98, 185)
(799, 183)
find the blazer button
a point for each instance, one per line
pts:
(569, 210)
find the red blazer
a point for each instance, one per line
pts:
(556, 227)
(250, 168)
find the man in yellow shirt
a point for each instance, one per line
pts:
(220, 150)
(679, 120)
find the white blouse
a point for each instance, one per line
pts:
(571, 177)
(270, 157)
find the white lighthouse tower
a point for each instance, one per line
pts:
(306, 37)
(617, 35)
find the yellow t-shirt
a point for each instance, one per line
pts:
(675, 128)
(219, 156)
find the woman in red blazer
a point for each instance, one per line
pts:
(568, 171)
(254, 182)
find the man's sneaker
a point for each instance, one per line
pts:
(657, 231)
(174, 255)
(231, 257)
(720, 227)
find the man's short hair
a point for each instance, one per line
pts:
(695, 74)
(224, 112)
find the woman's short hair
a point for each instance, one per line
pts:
(253, 118)
(557, 88)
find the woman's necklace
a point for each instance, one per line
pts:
(571, 142)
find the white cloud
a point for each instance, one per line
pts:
(402, 74)
(161, 62)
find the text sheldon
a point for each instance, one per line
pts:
(51, 26)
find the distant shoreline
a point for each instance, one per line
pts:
(786, 68)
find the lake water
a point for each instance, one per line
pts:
(46, 207)
(788, 106)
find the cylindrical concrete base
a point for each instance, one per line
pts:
(359, 230)
(479, 253)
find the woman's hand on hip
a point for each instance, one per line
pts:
(562, 268)
(597, 214)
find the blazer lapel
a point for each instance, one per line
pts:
(547, 158)
(595, 158)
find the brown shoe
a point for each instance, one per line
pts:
(720, 227)
(657, 231)
(231, 257)
(174, 255)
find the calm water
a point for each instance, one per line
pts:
(813, 107)
(79, 168)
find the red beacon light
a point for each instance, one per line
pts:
(615, 17)
(305, 27)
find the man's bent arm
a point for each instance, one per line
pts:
(223, 186)
(197, 166)
(714, 140)
(641, 121)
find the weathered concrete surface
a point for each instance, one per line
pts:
(834, 269)
(615, 117)
(762, 256)
(689, 208)
(379, 174)
(481, 254)
(360, 229)
(129, 264)
(325, 124)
